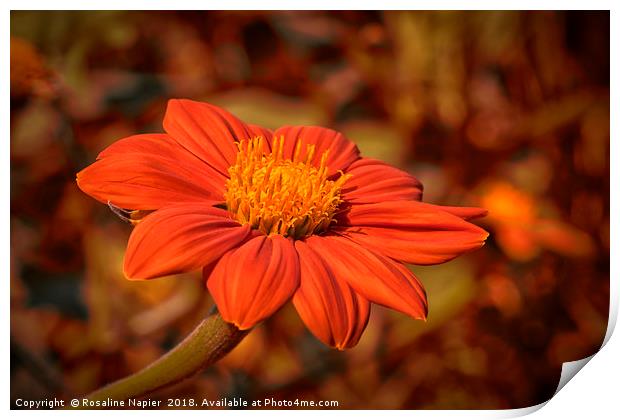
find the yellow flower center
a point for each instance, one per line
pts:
(282, 196)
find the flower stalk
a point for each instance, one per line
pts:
(211, 340)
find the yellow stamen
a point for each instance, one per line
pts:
(282, 196)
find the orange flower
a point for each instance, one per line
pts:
(522, 231)
(296, 213)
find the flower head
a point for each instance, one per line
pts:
(272, 216)
(274, 195)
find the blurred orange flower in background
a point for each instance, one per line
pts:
(269, 216)
(522, 231)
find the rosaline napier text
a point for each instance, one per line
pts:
(110, 403)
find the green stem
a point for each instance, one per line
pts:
(211, 340)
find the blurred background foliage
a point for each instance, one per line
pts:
(504, 110)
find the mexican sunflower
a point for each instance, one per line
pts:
(270, 216)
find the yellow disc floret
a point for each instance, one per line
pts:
(290, 197)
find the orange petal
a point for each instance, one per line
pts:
(373, 181)
(342, 152)
(262, 131)
(411, 231)
(150, 144)
(563, 238)
(467, 213)
(208, 131)
(147, 172)
(375, 277)
(180, 238)
(334, 312)
(253, 281)
(517, 241)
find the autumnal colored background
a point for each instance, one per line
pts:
(503, 110)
